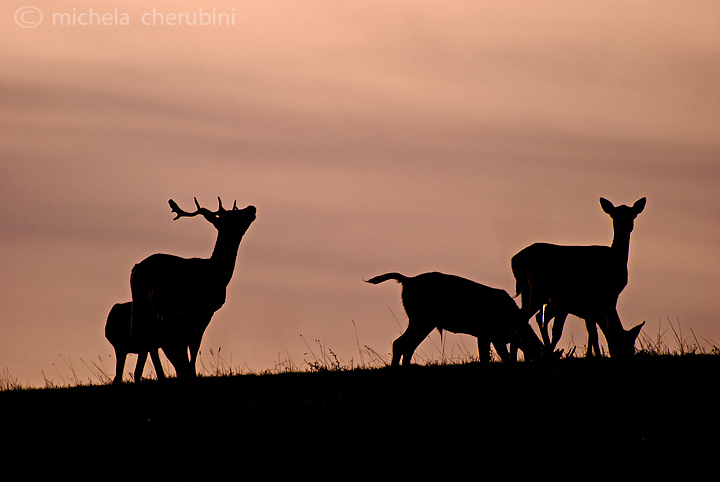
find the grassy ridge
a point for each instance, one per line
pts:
(648, 408)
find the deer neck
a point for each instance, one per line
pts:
(621, 247)
(224, 256)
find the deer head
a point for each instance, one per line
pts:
(623, 216)
(235, 219)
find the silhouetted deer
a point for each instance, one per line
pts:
(117, 331)
(582, 280)
(174, 298)
(459, 305)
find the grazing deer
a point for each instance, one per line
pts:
(459, 305)
(174, 298)
(581, 280)
(117, 331)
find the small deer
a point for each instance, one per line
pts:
(459, 305)
(175, 298)
(117, 331)
(581, 280)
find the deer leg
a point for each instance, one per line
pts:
(529, 308)
(194, 347)
(177, 354)
(119, 366)
(542, 319)
(557, 329)
(405, 345)
(196, 340)
(612, 319)
(397, 348)
(140, 366)
(500, 348)
(593, 342)
(155, 357)
(483, 349)
(174, 336)
(530, 344)
(518, 324)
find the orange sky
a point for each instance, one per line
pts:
(372, 136)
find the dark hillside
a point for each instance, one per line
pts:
(643, 410)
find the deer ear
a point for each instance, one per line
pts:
(220, 208)
(639, 206)
(635, 330)
(607, 206)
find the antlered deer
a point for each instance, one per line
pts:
(581, 280)
(174, 298)
(117, 332)
(459, 305)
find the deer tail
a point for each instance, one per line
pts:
(384, 277)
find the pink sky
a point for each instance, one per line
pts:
(372, 136)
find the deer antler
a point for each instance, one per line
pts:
(180, 213)
(211, 216)
(221, 208)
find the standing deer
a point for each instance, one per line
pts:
(459, 305)
(581, 280)
(174, 298)
(117, 332)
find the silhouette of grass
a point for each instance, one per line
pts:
(669, 341)
(8, 382)
(681, 345)
(444, 408)
(95, 374)
(408, 415)
(216, 366)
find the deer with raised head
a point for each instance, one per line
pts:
(458, 305)
(174, 298)
(117, 332)
(581, 280)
